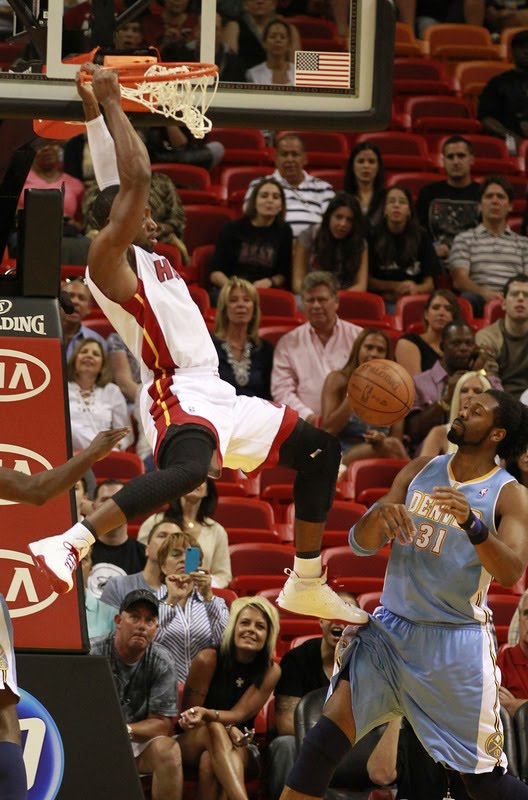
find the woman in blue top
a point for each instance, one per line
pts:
(359, 440)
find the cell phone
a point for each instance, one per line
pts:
(192, 559)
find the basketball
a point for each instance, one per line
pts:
(381, 392)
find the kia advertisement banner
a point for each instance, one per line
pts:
(34, 436)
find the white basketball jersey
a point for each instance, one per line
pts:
(161, 324)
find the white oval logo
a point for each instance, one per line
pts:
(21, 375)
(20, 458)
(5, 306)
(22, 585)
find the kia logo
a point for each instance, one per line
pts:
(20, 581)
(5, 306)
(22, 459)
(21, 375)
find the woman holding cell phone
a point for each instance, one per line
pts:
(225, 689)
(191, 617)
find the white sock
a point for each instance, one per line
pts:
(80, 537)
(307, 567)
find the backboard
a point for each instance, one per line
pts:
(338, 80)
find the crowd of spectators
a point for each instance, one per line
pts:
(296, 234)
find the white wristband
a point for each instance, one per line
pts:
(102, 150)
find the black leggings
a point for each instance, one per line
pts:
(184, 460)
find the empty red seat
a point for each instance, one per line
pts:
(351, 573)
(257, 568)
(242, 146)
(503, 607)
(361, 305)
(413, 181)
(246, 519)
(414, 76)
(369, 601)
(235, 180)
(440, 113)
(204, 223)
(272, 333)
(405, 42)
(400, 151)
(368, 473)
(341, 517)
(460, 42)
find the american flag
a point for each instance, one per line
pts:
(322, 69)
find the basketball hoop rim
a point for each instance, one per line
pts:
(135, 73)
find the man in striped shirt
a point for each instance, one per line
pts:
(484, 258)
(306, 197)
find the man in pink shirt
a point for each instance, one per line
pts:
(304, 357)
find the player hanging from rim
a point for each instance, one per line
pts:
(36, 490)
(194, 421)
(427, 653)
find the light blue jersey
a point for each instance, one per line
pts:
(438, 578)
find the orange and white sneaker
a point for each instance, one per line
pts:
(313, 597)
(59, 556)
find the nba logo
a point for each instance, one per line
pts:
(483, 492)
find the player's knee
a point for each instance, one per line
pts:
(314, 487)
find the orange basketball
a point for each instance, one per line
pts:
(381, 392)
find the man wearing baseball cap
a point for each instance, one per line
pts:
(146, 683)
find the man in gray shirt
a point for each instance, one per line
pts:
(146, 684)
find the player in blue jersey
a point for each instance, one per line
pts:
(427, 653)
(36, 490)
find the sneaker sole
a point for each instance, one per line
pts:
(280, 602)
(58, 585)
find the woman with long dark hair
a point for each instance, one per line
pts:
(402, 259)
(418, 352)
(257, 246)
(365, 180)
(337, 245)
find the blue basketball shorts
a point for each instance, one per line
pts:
(443, 679)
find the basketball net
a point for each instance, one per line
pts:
(175, 92)
(182, 92)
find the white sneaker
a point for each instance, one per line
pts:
(58, 558)
(313, 596)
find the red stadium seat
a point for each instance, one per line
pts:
(248, 487)
(100, 324)
(272, 333)
(227, 594)
(335, 177)
(414, 76)
(351, 573)
(246, 519)
(409, 309)
(201, 263)
(460, 42)
(361, 305)
(440, 114)
(312, 26)
(185, 176)
(369, 601)
(278, 303)
(237, 179)
(257, 568)
(242, 146)
(341, 517)
(119, 465)
(204, 223)
(493, 311)
(201, 298)
(368, 473)
(413, 181)
(400, 151)
(470, 77)
(405, 42)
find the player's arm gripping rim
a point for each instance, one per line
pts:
(107, 258)
(37, 489)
